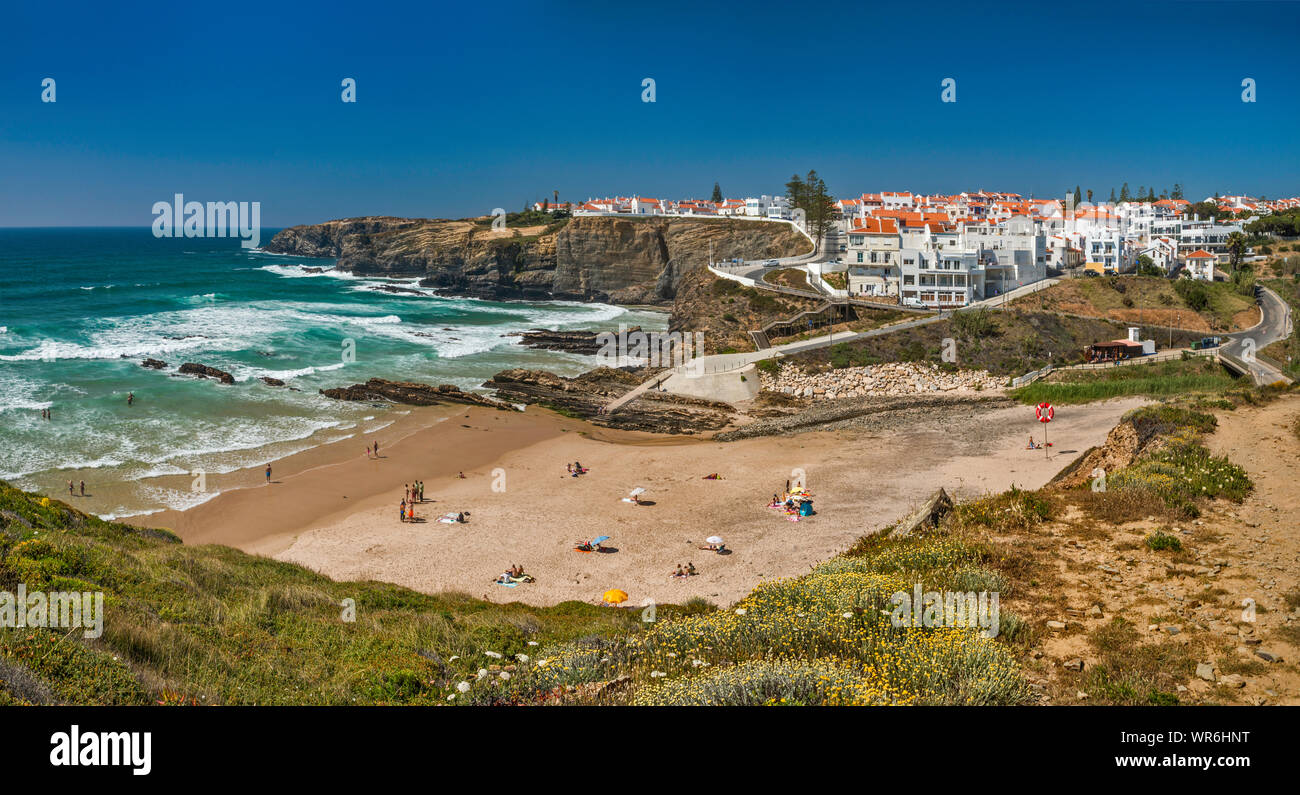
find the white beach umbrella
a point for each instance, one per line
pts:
(713, 540)
(637, 491)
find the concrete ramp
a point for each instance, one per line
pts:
(730, 386)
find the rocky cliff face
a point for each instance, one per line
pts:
(618, 260)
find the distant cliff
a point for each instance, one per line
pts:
(596, 258)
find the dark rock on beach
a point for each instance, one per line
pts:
(583, 342)
(204, 371)
(412, 394)
(584, 396)
(154, 364)
(269, 381)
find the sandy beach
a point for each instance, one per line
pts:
(335, 511)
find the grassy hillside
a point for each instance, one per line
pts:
(1149, 299)
(1004, 343)
(1155, 379)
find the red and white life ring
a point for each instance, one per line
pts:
(1044, 412)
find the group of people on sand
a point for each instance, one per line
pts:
(576, 469)
(372, 451)
(415, 491)
(514, 574)
(795, 505)
(718, 548)
(689, 571)
(72, 492)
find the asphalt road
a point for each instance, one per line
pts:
(1275, 324)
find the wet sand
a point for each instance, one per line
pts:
(338, 515)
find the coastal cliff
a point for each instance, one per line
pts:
(592, 258)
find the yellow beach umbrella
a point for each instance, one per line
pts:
(615, 596)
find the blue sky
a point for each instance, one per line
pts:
(468, 106)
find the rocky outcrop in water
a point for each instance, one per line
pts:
(204, 371)
(412, 394)
(585, 395)
(269, 381)
(593, 258)
(153, 364)
(587, 343)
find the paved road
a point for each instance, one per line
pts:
(1275, 324)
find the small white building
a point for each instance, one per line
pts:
(1200, 265)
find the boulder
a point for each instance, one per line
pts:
(204, 371)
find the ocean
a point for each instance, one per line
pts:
(81, 308)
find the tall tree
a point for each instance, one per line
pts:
(1078, 196)
(810, 195)
(1236, 245)
(1177, 192)
(1112, 195)
(1123, 193)
(795, 190)
(1151, 194)
(717, 193)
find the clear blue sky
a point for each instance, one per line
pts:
(468, 106)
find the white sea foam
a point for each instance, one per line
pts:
(246, 374)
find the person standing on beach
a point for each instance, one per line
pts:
(268, 474)
(401, 510)
(376, 449)
(83, 488)
(70, 492)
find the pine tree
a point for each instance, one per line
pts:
(1112, 195)
(1123, 193)
(717, 193)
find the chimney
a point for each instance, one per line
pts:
(1134, 334)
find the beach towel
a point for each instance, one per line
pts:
(507, 584)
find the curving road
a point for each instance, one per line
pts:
(1275, 324)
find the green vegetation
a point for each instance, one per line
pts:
(1285, 223)
(1179, 470)
(795, 278)
(1134, 673)
(1004, 343)
(1161, 540)
(1156, 379)
(837, 279)
(810, 195)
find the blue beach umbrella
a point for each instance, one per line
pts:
(595, 541)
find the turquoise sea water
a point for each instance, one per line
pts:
(80, 309)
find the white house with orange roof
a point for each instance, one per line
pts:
(1200, 265)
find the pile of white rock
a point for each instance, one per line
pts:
(890, 379)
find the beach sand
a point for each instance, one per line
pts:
(336, 512)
